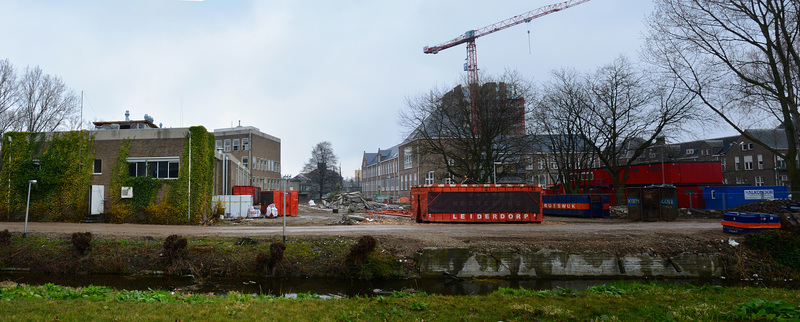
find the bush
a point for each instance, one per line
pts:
(5, 237)
(782, 246)
(82, 242)
(174, 247)
(359, 252)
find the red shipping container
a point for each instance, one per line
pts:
(248, 191)
(476, 203)
(276, 197)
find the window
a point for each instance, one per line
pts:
(739, 180)
(236, 144)
(227, 145)
(245, 144)
(553, 164)
(759, 180)
(429, 177)
(689, 151)
(652, 155)
(219, 144)
(748, 162)
(736, 165)
(749, 146)
(408, 158)
(98, 166)
(528, 163)
(449, 178)
(451, 162)
(540, 164)
(780, 163)
(245, 161)
(161, 169)
(760, 159)
(724, 165)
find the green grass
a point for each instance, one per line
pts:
(616, 302)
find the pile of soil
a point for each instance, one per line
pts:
(764, 206)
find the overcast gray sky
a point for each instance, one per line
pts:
(303, 71)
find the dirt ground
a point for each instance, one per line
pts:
(696, 232)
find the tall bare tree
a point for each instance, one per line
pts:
(618, 113)
(321, 168)
(467, 139)
(8, 95)
(45, 102)
(740, 57)
(556, 132)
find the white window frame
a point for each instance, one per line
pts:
(235, 144)
(245, 144)
(430, 177)
(227, 147)
(748, 162)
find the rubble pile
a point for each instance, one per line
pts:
(352, 202)
(765, 206)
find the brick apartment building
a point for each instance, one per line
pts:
(258, 152)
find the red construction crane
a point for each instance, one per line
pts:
(469, 37)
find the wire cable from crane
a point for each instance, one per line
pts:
(529, 36)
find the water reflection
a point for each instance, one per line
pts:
(333, 287)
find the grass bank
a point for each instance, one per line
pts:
(616, 302)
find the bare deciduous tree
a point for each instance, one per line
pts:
(556, 133)
(739, 57)
(45, 102)
(8, 95)
(468, 139)
(617, 112)
(321, 168)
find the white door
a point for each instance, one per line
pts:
(98, 194)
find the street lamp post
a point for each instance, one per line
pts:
(285, 193)
(189, 210)
(27, 207)
(8, 197)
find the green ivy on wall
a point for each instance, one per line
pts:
(64, 173)
(61, 164)
(202, 177)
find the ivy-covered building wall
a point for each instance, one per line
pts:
(153, 162)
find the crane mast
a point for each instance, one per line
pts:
(469, 37)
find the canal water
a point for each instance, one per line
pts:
(289, 287)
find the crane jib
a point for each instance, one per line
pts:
(471, 35)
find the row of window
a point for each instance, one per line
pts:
(161, 169)
(234, 144)
(262, 164)
(748, 163)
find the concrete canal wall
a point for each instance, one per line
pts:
(543, 263)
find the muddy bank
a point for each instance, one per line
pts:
(347, 257)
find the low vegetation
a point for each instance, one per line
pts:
(202, 257)
(615, 302)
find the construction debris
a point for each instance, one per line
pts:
(352, 202)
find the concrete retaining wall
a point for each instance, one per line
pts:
(553, 263)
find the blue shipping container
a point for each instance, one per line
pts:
(721, 198)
